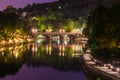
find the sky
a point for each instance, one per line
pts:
(20, 3)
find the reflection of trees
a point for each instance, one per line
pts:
(10, 62)
(60, 63)
(10, 67)
(54, 60)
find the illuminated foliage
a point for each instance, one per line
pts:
(11, 26)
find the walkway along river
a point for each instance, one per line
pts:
(105, 70)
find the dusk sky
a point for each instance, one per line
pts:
(20, 3)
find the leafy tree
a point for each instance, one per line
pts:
(69, 25)
(104, 29)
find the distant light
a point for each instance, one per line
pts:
(59, 7)
(118, 69)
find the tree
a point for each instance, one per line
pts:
(104, 29)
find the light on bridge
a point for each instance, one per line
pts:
(34, 30)
(48, 30)
(62, 30)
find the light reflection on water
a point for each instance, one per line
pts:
(43, 61)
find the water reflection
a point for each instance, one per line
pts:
(57, 61)
(61, 49)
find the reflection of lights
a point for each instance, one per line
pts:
(2, 53)
(83, 45)
(60, 50)
(73, 48)
(63, 54)
(77, 55)
(11, 52)
(49, 50)
(73, 55)
(58, 42)
(63, 48)
(78, 48)
(28, 46)
(59, 54)
(34, 49)
(2, 49)
(65, 42)
(16, 55)
(60, 47)
(10, 48)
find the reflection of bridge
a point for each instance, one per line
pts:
(74, 50)
(49, 35)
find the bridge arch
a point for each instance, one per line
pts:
(61, 35)
(57, 36)
(43, 36)
(69, 36)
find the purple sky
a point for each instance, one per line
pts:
(20, 3)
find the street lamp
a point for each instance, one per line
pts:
(61, 30)
(34, 30)
(48, 30)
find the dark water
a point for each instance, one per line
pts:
(51, 61)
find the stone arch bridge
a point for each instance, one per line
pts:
(49, 35)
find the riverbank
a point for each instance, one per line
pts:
(101, 68)
(6, 43)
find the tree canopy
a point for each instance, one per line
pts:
(103, 29)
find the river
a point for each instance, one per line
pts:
(44, 61)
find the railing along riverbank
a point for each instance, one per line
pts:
(105, 70)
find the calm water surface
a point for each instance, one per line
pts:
(51, 61)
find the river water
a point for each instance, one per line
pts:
(44, 61)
